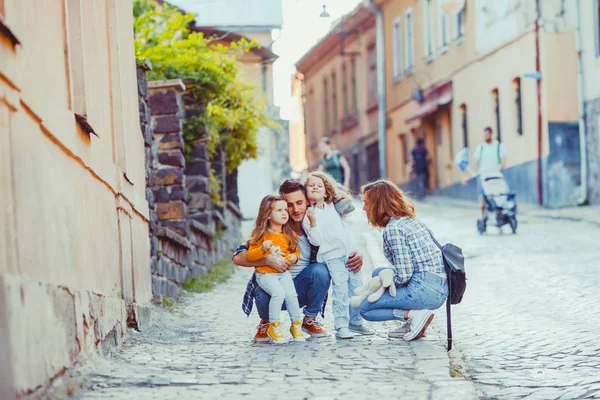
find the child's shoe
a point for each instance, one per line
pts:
(361, 330)
(275, 333)
(343, 333)
(296, 331)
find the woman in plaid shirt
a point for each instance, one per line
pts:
(419, 269)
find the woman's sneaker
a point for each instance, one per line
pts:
(343, 333)
(313, 328)
(275, 333)
(296, 331)
(402, 329)
(419, 321)
(361, 330)
(261, 332)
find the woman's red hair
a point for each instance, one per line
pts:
(384, 200)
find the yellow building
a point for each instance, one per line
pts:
(452, 72)
(74, 247)
(340, 95)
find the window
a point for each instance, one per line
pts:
(397, 49)
(409, 37)
(519, 105)
(444, 27)
(353, 83)
(372, 60)
(428, 40)
(334, 100)
(2, 8)
(326, 106)
(460, 23)
(465, 132)
(496, 98)
(345, 89)
(264, 78)
(439, 133)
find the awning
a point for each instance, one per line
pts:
(433, 100)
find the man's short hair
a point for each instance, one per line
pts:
(488, 129)
(292, 186)
(420, 142)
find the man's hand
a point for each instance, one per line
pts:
(279, 267)
(292, 258)
(267, 245)
(465, 181)
(355, 262)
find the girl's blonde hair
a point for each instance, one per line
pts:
(384, 201)
(332, 187)
(261, 226)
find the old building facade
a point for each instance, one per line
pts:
(340, 95)
(451, 72)
(74, 248)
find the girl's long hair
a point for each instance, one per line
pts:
(261, 226)
(384, 201)
(332, 187)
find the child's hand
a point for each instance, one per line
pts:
(267, 245)
(310, 213)
(292, 258)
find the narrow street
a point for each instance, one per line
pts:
(527, 328)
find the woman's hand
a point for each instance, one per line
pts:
(267, 245)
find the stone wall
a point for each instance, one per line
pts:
(189, 234)
(593, 149)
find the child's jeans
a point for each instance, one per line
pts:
(344, 285)
(280, 287)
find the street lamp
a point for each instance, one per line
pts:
(324, 13)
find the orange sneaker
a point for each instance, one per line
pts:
(261, 333)
(313, 328)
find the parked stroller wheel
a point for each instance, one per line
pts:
(481, 228)
(513, 225)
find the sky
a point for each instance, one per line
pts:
(302, 28)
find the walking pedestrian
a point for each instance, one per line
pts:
(325, 228)
(490, 157)
(419, 273)
(334, 163)
(421, 161)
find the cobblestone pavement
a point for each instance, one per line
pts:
(529, 323)
(204, 349)
(527, 328)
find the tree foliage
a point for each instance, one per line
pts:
(233, 109)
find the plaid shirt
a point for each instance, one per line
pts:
(250, 294)
(408, 245)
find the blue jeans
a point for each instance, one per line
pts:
(344, 285)
(312, 285)
(281, 288)
(424, 291)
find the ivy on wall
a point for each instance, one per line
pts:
(233, 109)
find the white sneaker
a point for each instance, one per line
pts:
(419, 321)
(402, 329)
(344, 333)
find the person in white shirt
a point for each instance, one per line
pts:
(490, 157)
(325, 228)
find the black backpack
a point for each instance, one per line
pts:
(454, 262)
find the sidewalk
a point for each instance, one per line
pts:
(589, 214)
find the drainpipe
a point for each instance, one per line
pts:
(538, 17)
(582, 126)
(381, 110)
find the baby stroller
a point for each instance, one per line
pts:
(499, 201)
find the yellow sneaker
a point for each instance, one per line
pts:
(275, 333)
(296, 330)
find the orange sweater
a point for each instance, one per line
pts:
(256, 252)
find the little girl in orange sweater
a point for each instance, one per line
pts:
(273, 236)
